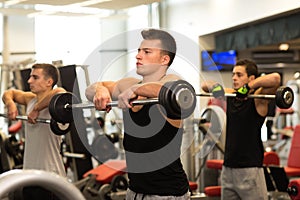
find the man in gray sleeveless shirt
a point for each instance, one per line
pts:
(42, 149)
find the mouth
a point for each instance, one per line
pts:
(235, 85)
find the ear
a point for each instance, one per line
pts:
(49, 82)
(251, 78)
(165, 59)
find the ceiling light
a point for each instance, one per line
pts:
(90, 2)
(284, 47)
(13, 2)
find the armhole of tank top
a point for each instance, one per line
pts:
(174, 122)
(139, 107)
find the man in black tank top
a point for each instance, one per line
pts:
(242, 173)
(152, 141)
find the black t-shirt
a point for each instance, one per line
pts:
(152, 148)
(243, 147)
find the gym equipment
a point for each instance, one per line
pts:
(56, 127)
(284, 96)
(177, 97)
(292, 167)
(213, 127)
(107, 181)
(103, 147)
(14, 179)
(293, 189)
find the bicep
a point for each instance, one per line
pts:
(22, 97)
(122, 85)
(262, 104)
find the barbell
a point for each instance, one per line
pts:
(284, 96)
(177, 97)
(56, 127)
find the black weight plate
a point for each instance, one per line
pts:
(57, 108)
(59, 128)
(165, 99)
(184, 98)
(178, 98)
(284, 97)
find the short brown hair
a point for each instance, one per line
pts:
(49, 71)
(167, 41)
(250, 66)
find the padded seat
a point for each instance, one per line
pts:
(193, 185)
(271, 158)
(105, 172)
(293, 162)
(15, 128)
(214, 164)
(213, 191)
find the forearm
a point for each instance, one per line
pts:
(7, 97)
(267, 81)
(90, 91)
(8, 100)
(44, 102)
(149, 90)
(208, 85)
(97, 87)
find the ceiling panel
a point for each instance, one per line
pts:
(50, 2)
(122, 4)
(16, 11)
(25, 7)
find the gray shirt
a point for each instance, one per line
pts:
(42, 146)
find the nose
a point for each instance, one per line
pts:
(29, 80)
(233, 77)
(138, 56)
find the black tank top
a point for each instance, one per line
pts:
(152, 148)
(243, 147)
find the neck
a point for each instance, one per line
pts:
(42, 95)
(154, 78)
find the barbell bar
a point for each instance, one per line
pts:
(177, 97)
(88, 105)
(56, 127)
(25, 118)
(284, 96)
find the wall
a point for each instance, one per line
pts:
(201, 17)
(20, 37)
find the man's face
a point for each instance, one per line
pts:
(239, 77)
(37, 81)
(149, 57)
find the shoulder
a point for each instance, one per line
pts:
(171, 77)
(229, 90)
(127, 82)
(58, 90)
(22, 97)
